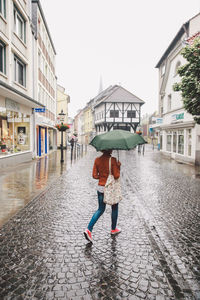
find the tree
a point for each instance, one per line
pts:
(190, 79)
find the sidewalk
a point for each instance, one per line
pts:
(43, 254)
(20, 184)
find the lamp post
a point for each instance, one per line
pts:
(62, 118)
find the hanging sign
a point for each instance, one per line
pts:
(42, 110)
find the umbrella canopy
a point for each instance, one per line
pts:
(117, 140)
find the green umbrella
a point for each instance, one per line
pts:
(117, 140)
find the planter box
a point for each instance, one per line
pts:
(2, 147)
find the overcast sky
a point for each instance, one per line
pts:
(118, 40)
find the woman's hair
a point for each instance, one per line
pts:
(107, 151)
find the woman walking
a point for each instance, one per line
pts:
(101, 172)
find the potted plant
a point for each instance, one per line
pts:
(2, 146)
(62, 127)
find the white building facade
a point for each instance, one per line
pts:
(17, 97)
(62, 105)
(117, 108)
(45, 79)
(179, 135)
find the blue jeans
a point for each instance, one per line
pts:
(101, 210)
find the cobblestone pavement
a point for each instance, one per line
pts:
(22, 183)
(43, 253)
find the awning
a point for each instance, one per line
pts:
(178, 125)
(11, 93)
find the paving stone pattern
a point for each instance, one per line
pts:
(43, 253)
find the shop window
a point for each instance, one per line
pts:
(114, 114)
(2, 57)
(174, 141)
(3, 8)
(189, 142)
(19, 71)
(14, 132)
(181, 142)
(20, 25)
(131, 114)
(169, 141)
(50, 131)
(161, 141)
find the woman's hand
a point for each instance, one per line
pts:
(118, 163)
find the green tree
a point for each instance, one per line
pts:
(190, 79)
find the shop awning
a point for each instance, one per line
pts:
(9, 92)
(177, 125)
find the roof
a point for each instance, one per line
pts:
(117, 94)
(193, 37)
(183, 29)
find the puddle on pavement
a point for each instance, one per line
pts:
(178, 166)
(22, 183)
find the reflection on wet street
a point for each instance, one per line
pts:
(22, 183)
(43, 252)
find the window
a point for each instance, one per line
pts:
(176, 68)
(2, 57)
(114, 114)
(162, 70)
(20, 25)
(131, 114)
(174, 140)
(14, 132)
(189, 138)
(46, 70)
(3, 8)
(19, 71)
(161, 140)
(169, 102)
(180, 142)
(39, 60)
(169, 140)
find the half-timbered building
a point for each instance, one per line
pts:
(117, 108)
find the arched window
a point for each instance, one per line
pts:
(178, 64)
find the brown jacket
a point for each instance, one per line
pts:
(101, 168)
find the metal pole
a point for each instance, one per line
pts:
(61, 148)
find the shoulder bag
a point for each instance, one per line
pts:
(112, 189)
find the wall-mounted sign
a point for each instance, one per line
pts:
(42, 110)
(177, 117)
(159, 120)
(12, 105)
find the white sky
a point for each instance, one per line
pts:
(120, 40)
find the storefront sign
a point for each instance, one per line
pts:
(12, 105)
(150, 129)
(177, 117)
(159, 120)
(42, 110)
(2, 109)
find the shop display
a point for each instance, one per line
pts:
(14, 132)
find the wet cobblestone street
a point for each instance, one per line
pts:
(43, 253)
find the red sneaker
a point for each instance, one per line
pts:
(88, 235)
(115, 231)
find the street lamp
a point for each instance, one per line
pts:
(62, 118)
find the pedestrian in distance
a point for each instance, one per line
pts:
(101, 172)
(72, 142)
